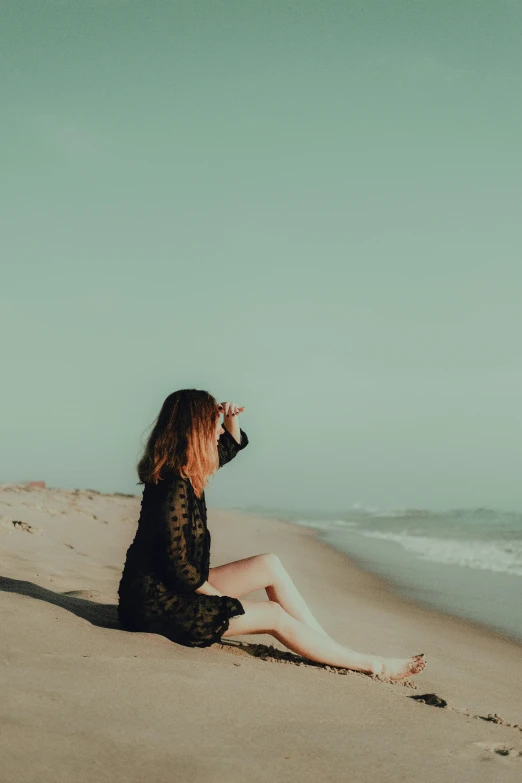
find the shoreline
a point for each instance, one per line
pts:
(376, 582)
(395, 589)
(483, 598)
(83, 697)
(361, 610)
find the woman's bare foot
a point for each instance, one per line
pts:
(398, 668)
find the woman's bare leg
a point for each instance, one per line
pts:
(269, 617)
(263, 572)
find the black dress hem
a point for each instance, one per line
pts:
(231, 607)
(221, 623)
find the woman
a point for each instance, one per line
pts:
(167, 586)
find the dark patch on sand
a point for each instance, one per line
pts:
(430, 698)
(19, 525)
(494, 718)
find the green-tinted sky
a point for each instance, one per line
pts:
(310, 208)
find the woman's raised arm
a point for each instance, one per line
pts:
(228, 446)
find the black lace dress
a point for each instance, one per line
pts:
(169, 559)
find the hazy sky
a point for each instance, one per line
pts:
(312, 209)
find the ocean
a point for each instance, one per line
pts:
(466, 562)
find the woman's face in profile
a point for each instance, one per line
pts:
(219, 428)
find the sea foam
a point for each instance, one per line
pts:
(500, 556)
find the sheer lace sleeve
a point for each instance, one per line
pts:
(184, 536)
(228, 446)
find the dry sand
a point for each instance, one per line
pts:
(83, 700)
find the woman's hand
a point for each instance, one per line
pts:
(229, 409)
(231, 412)
(207, 589)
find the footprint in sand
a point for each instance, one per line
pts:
(500, 748)
(18, 524)
(82, 554)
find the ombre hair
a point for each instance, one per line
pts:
(183, 439)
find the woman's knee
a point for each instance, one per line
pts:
(272, 563)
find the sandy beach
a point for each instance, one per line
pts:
(83, 700)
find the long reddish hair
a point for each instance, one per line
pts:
(183, 439)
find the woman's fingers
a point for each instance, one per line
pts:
(224, 406)
(231, 409)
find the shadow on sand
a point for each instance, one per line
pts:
(75, 601)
